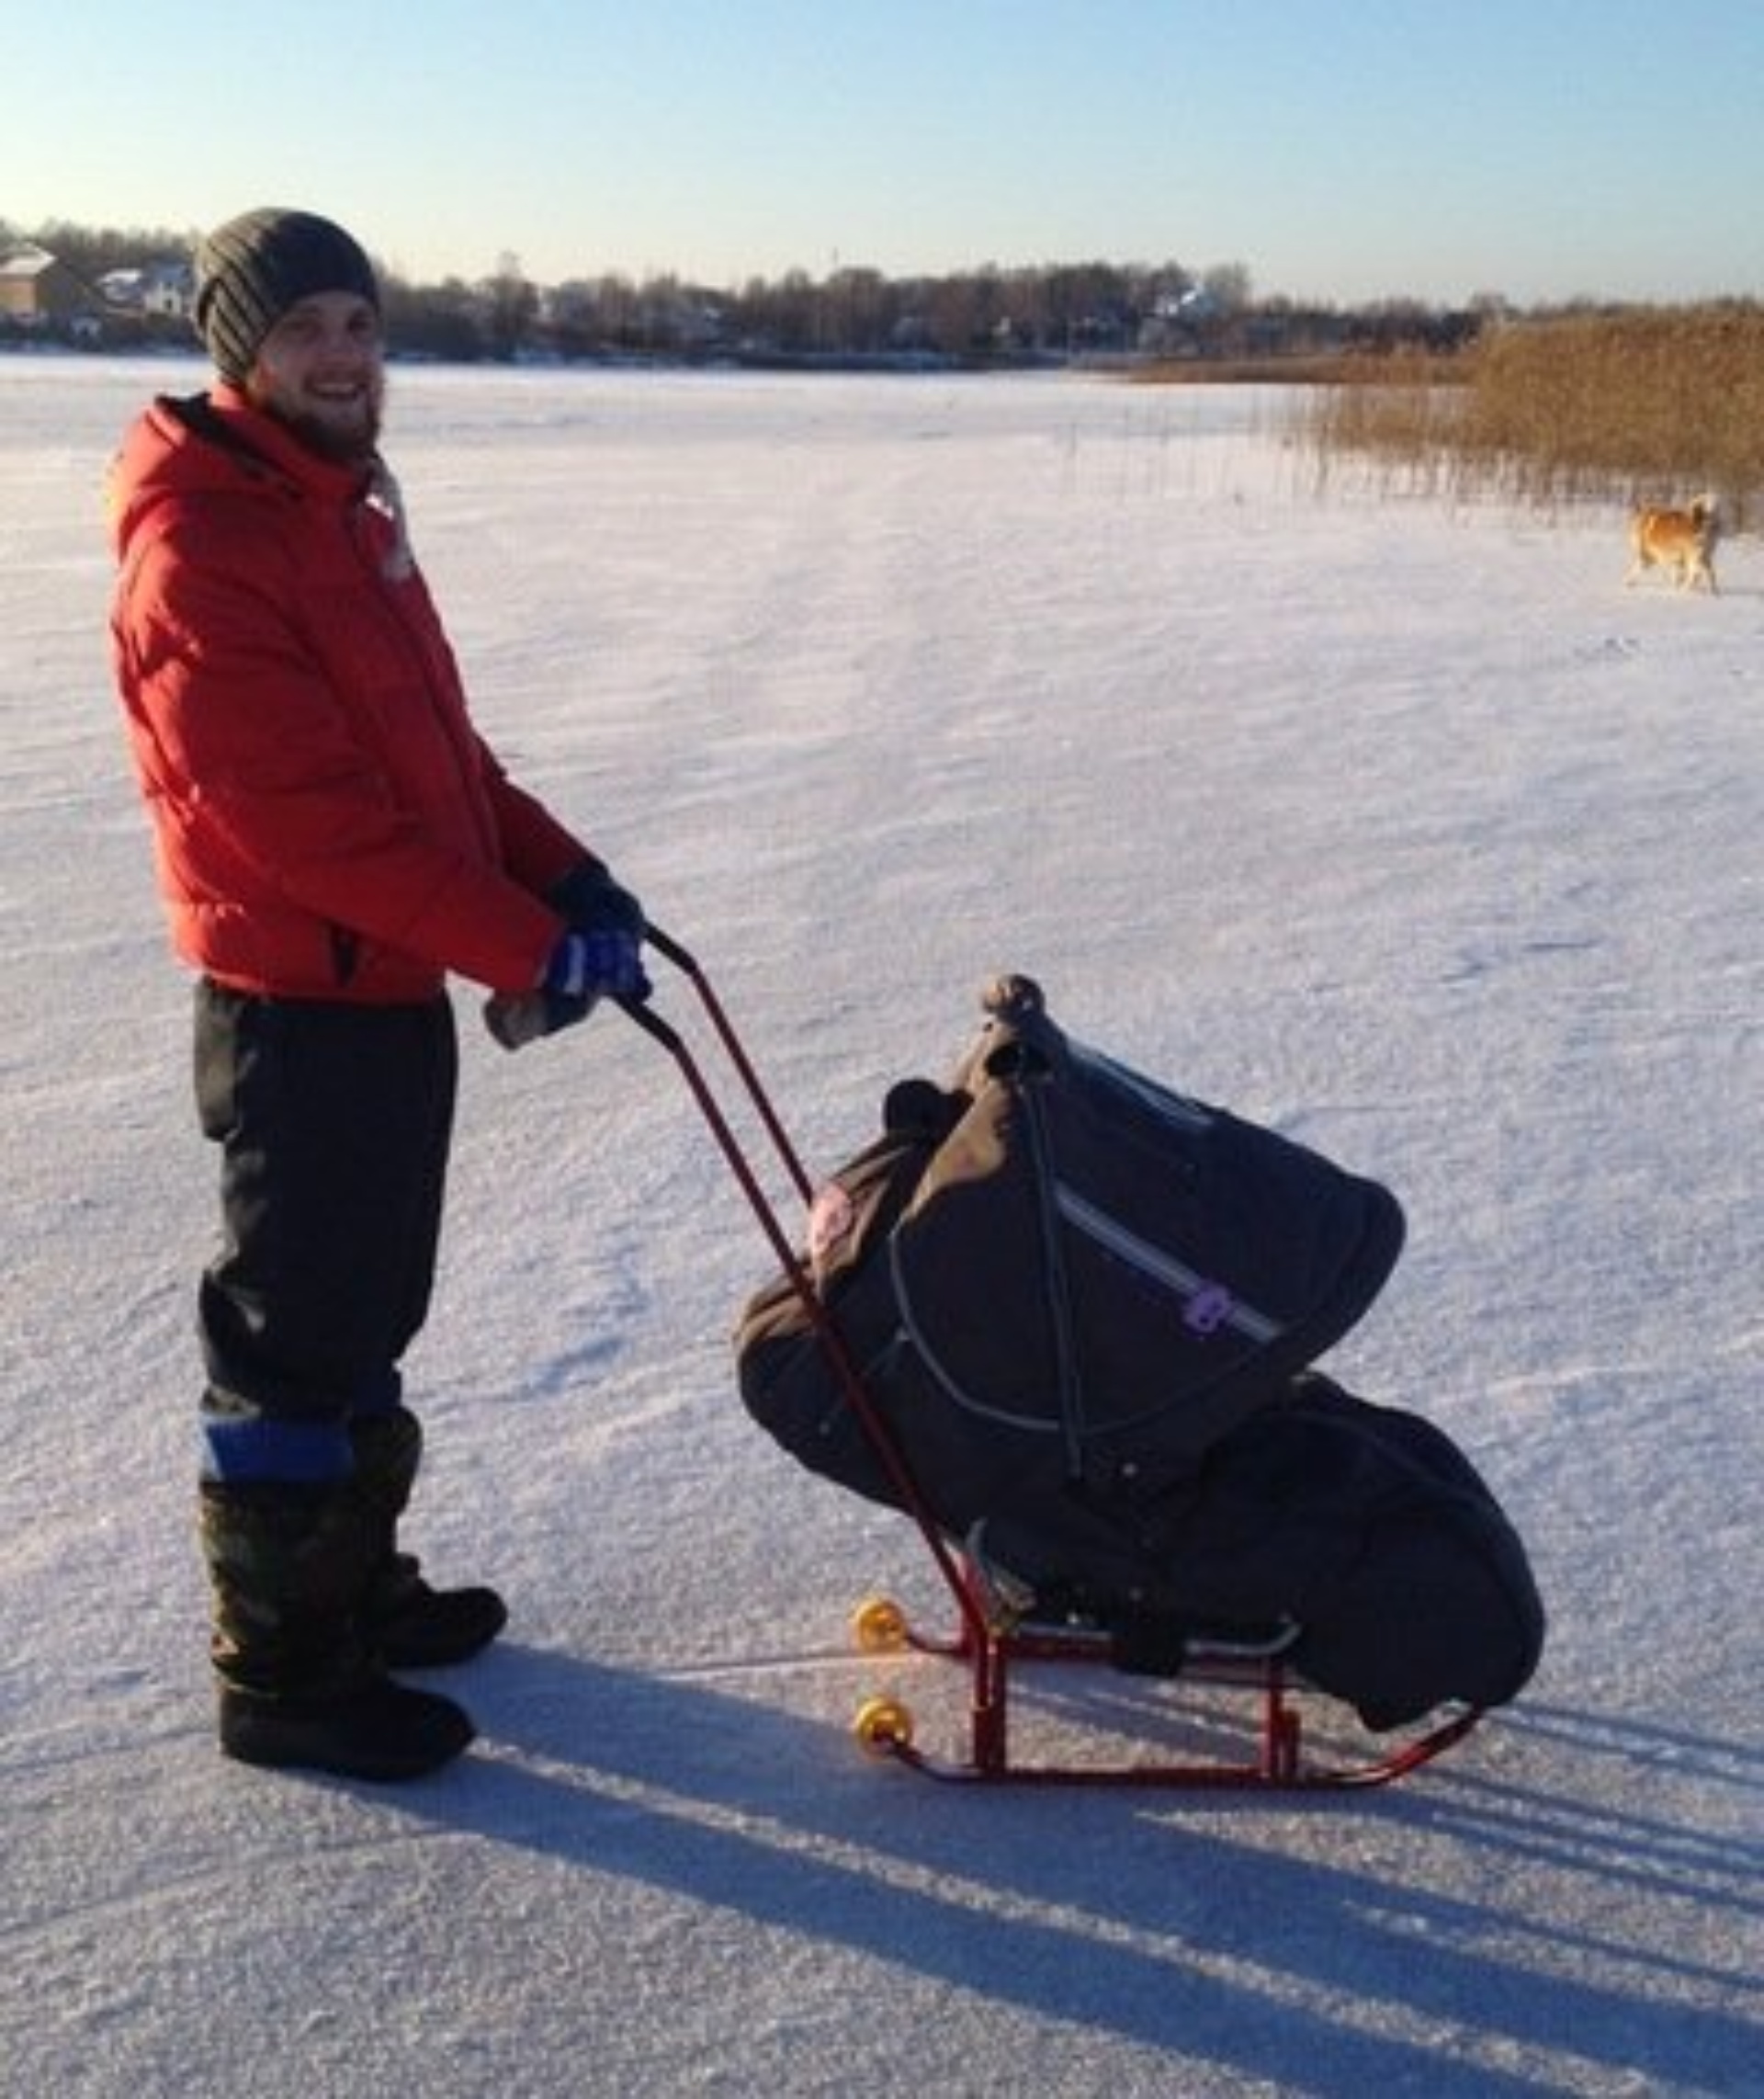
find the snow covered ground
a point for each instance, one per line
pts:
(1408, 830)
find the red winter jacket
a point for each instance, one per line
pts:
(327, 824)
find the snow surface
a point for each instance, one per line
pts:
(1404, 827)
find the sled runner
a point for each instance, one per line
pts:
(1123, 1457)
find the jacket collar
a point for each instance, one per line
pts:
(226, 416)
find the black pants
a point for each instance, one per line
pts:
(334, 1123)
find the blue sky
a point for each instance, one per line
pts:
(1342, 149)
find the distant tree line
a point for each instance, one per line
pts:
(988, 313)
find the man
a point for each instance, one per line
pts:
(331, 840)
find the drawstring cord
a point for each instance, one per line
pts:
(385, 495)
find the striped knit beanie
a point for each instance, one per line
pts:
(250, 271)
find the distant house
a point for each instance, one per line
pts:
(154, 290)
(168, 292)
(36, 290)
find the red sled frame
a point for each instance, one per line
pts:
(987, 1641)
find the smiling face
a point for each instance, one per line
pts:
(321, 370)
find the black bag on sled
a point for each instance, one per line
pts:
(1079, 1305)
(1358, 1539)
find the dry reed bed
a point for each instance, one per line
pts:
(1642, 407)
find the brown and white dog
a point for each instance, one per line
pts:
(1680, 541)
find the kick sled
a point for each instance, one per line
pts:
(1267, 1728)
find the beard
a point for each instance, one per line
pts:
(345, 432)
(347, 443)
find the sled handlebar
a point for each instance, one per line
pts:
(669, 1036)
(911, 1497)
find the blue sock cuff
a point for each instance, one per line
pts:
(306, 1454)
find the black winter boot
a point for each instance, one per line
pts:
(380, 1731)
(299, 1686)
(409, 1624)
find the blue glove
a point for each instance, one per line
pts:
(600, 957)
(597, 965)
